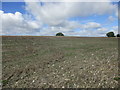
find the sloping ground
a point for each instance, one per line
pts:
(36, 62)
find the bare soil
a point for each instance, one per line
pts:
(59, 62)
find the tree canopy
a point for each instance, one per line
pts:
(110, 34)
(59, 34)
(118, 35)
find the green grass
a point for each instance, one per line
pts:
(117, 78)
(4, 82)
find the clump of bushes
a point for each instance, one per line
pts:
(59, 34)
(118, 35)
(117, 78)
(110, 34)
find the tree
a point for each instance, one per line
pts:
(118, 35)
(110, 34)
(59, 34)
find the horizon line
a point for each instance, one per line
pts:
(53, 36)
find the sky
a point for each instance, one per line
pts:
(91, 19)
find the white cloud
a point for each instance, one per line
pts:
(102, 29)
(55, 13)
(111, 18)
(115, 29)
(92, 25)
(69, 29)
(16, 24)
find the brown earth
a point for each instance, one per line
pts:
(36, 62)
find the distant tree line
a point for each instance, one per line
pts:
(111, 34)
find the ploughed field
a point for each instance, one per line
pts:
(59, 62)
